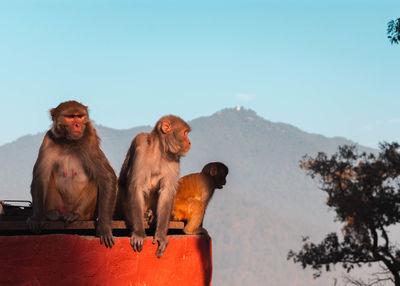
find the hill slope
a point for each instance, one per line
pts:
(265, 208)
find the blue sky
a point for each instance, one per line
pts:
(323, 66)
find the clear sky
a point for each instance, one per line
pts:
(323, 66)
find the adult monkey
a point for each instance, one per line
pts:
(193, 194)
(148, 179)
(72, 175)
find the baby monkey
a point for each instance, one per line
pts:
(193, 194)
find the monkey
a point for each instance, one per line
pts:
(72, 178)
(148, 179)
(193, 194)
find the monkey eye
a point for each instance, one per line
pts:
(73, 116)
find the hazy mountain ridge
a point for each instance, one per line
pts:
(265, 208)
(263, 157)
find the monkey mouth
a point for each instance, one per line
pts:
(185, 150)
(75, 135)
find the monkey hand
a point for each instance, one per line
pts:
(35, 224)
(137, 240)
(148, 216)
(162, 244)
(105, 234)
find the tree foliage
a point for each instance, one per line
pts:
(364, 191)
(393, 31)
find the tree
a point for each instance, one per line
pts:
(393, 31)
(364, 191)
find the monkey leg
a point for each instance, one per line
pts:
(179, 211)
(53, 202)
(195, 217)
(134, 215)
(164, 209)
(86, 204)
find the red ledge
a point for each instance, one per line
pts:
(64, 259)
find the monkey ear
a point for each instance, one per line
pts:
(213, 171)
(166, 126)
(52, 113)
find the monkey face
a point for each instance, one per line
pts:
(185, 145)
(173, 132)
(70, 119)
(218, 171)
(219, 179)
(220, 182)
(71, 125)
(75, 125)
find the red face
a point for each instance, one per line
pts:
(75, 125)
(185, 142)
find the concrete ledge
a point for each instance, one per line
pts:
(65, 259)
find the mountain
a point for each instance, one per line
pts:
(266, 207)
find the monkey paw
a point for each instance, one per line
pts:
(162, 244)
(105, 234)
(53, 215)
(34, 224)
(69, 217)
(137, 241)
(108, 240)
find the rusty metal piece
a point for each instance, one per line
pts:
(12, 210)
(14, 213)
(76, 225)
(17, 203)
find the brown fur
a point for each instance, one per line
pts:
(72, 178)
(193, 194)
(149, 176)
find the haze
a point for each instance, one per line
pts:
(323, 66)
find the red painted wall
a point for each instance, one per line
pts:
(63, 259)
